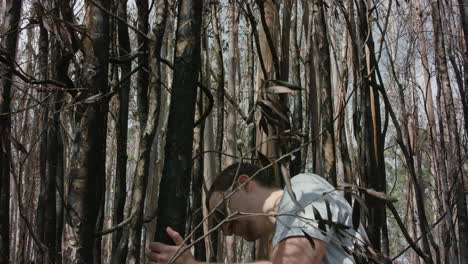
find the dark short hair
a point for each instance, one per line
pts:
(262, 176)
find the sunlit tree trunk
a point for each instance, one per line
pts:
(342, 143)
(209, 158)
(219, 78)
(327, 138)
(231, 113)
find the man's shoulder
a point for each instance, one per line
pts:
(311, 182)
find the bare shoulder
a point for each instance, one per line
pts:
(297, 249)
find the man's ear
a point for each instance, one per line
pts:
(242, 179)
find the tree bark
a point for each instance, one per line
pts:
(142, 78)
(455, 163)
(327, 138)
(296, 163)
(153, 101)
(121, 126)
(178, 152)
(219, 81)
(463, 5)
(11, 20)
(87, 168)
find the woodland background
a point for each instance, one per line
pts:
(115, 117)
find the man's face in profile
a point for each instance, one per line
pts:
(243, 226)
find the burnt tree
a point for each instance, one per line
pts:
(178, 151)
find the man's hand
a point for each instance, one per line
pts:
(162, 253)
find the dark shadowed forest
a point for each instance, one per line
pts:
(117, 116)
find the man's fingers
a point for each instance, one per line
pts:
(158, 247)
(152, 256)
(159, 257)
(178, 240)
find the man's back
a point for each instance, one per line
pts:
(311, 192)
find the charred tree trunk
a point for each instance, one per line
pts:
(45, 184)
(121, 126)
(296, 164)
(87, 168)
(11, 20)
(197, 181)
(370, 140)
(178, 158)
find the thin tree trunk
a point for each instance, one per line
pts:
(348, 176)
(455, 163)
(312, 102)
(197, 182)
(11, 19)
(231, 117)
(121, 126)
(327, 138)
(159, 141)
(87, 166)
(296, 163)
(142, 78)
(219, 76)
(209, 158)
(370, 140)
(43, 203)
(153, 101)
(463, 5)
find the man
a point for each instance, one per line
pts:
(252, 206)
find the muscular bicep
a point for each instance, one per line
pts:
(298, 250)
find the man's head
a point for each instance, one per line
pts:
(251, 186)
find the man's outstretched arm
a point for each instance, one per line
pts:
(292, 250)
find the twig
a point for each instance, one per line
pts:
(210, 104)
(236, 105)
(114, 228)
(405, 232)
(419, 238)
